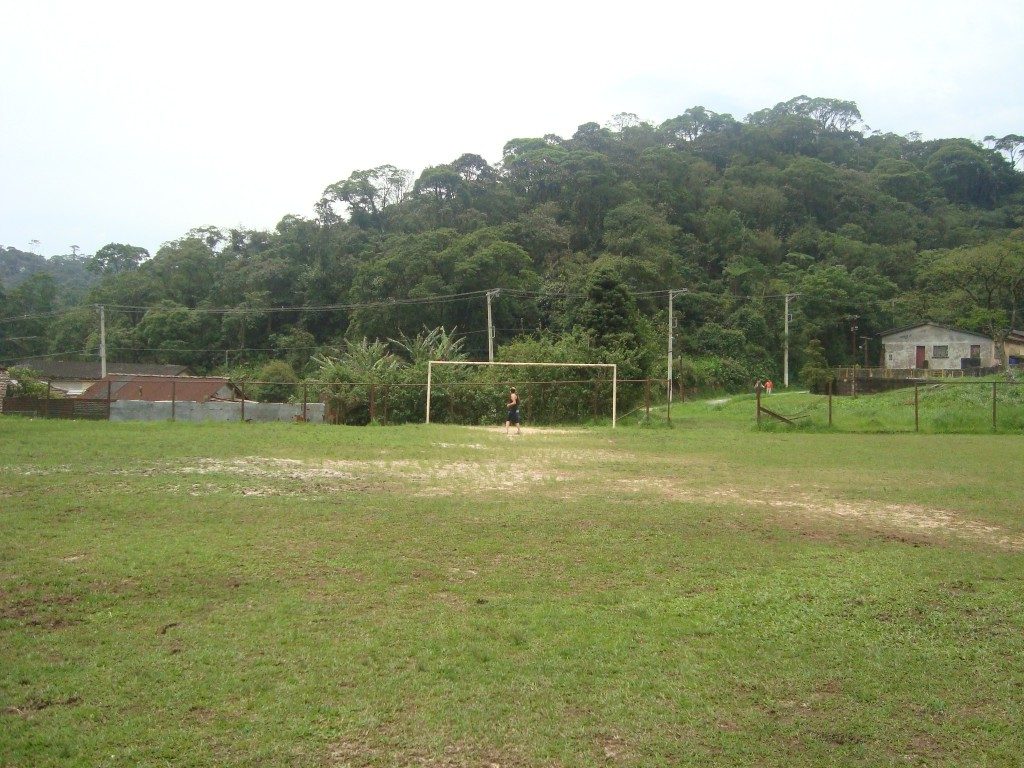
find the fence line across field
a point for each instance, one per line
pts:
(613, 366)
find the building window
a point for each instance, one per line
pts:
(940, 352)
(976, 351)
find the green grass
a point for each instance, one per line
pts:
(943, 408)
(175, 594)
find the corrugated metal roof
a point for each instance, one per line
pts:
(934, 325)
(71, 369)
(198, 389)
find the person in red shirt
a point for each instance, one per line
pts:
(768, 387)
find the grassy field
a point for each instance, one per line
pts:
(943, 407)
(293, 595)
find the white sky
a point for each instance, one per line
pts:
(133, 122)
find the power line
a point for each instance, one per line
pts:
(27, 358)
(42, 314)
(438, 299)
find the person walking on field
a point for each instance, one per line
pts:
(512, 417)
(768, 387)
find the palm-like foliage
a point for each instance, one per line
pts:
(362, 362)
(435, 344)
(353, 379)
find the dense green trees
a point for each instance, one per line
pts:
(583, 234)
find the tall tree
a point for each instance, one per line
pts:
(114, 258)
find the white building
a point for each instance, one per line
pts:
(937, 347)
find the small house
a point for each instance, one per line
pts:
(1013, 348)
(937, 347)
(197, 389)
(74, 378)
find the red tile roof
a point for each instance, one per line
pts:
(198, 389)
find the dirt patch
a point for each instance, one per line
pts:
(291, 477)
(612, 746)
(533, 431)
(40, 611)
(908, 518)
(37, 705)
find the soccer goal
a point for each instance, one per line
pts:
(605, 366)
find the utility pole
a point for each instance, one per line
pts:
(103, 344)
(785, 355)
(671, 335)
(865, 339)
(490, 325)
(668, 395)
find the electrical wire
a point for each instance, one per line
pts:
(438, 299)
(55, 313)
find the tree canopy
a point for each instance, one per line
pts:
(581, 233)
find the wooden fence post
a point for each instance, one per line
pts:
(373, 404)
(109, 383)
(759, 406)
(305, 395)
(647, 397)
(46, 405)
(241, 390)
(830, 402)
(174, 399)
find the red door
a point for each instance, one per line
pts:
(920, 358)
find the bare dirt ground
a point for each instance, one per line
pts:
(565, 474)
(553, 471)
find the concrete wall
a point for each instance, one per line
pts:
(901, 348)
(144, 410)
(1014, 350)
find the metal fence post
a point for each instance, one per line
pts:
(917, 415)
(993, 405)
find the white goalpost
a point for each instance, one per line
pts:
(613, 366)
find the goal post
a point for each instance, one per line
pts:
(614, 369)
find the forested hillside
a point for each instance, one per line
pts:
(585, 235)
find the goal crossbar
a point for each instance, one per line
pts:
(614, 368)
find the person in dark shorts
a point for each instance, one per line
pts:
(513, 411)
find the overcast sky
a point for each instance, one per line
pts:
(133, 122)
